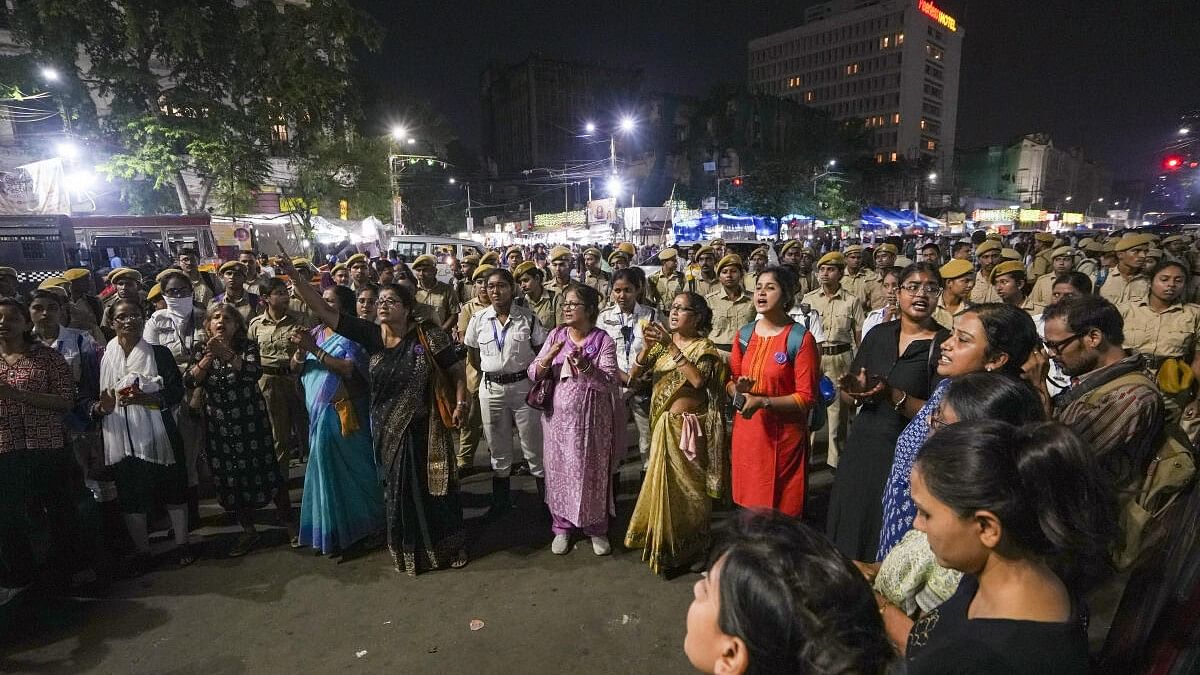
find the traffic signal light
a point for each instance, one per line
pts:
(1173, 162)
(737, 181)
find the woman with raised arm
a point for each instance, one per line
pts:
(418, 392)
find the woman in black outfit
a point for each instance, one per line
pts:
(1022, 513)
(891, 376)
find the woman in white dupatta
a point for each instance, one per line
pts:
(139, 387)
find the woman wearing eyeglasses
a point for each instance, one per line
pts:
(991, 337)
(890, 378)
(687, 445)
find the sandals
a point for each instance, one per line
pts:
(187, 555)
(245, 542)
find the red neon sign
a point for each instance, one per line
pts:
(931, 10)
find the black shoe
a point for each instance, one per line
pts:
(521, 469)
(541, 488)
(501, 498)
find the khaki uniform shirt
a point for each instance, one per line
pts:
(442, 299)
(1041, 264)
(1171, 333)
(302, 312)
(860, 284)
(841, 315)
(729, 316)
(1043, 289)
(600, 281)
(1119, 289)
(698, 284)
(275, 348)
(1032, 308)
(983, 291)
(465, 290)
(508, 348)
(546, 309)
(944, 316)
(201, 293)
(470, 309)
(248, 305)
(663, 289)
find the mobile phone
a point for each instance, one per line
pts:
(739, 402)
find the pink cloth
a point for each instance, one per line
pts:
(583, 438)
(690, 435)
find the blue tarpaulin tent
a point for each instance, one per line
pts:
(730, 226)
(877, 217)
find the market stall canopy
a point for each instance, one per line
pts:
(877, 217)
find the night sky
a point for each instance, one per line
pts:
(1109, 77)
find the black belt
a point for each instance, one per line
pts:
(275, 370)
(505, 378)
(724, 347)
(834, 350)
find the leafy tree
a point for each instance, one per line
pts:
(200, 85)
(332, 169)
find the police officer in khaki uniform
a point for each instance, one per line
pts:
(1042, 261)
(618, 260)
(437, 295)
(1062, 260)
(296, 306)
(756, 264)
(988, 255)
(1009, 280)
(462, 283)
(732, 306)
(514, 256)
(593, 275)
(340, 274)
(1089, 264)
(534, 295)
(1125, 283)
(128, 283)
(233, 273)
(471, 430)
(665, 284)
(958, 279)
(272, 332)
(858, 279)
(842, 318)
(559, 266)
(360, 271)
(1163, 327)
(885, 257)
(704, 280)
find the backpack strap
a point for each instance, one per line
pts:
(744, 334)
(795, 340)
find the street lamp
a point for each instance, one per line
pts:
(452, 181)
(400, 133)
(614, 186)
(831, 163)
(66, 150)
(1184, 131)
(49, 74)
(932, 177)
(627, 124)
(590, 127)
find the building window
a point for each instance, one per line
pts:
(879, 158)
(808, 97)
(895, 118)
(930, 144)
(279, 134)
(899, 39)
(885, 42)
(934, 52)
(853, 69)
(33, 250)
(894, 156)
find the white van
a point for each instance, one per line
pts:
(412, 245)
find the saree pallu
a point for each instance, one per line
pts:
(688, 465)
(343, 499)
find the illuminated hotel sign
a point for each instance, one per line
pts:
(931, 10)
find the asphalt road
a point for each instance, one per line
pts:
(279, 610)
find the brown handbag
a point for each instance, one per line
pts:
(443, 386)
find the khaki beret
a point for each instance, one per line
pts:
(993, 236)
(481, 271)
(425, 260)
(628, 248)
(1044, 237)
(902, 261)
(1010, 254)
(717, 242)
(168, 272)
(618, 253)
(955, 269)
(1062, 251)
(302, 262)
(122, 273)
(514, 249)
(338, 268)
(832, 258)
(761, 250)
(490, 258)
(1154, 252)
(887, 248)
(1058, 241)
(1131, 240)
(559, 252)
(75, 273)
(668, 254)
(853, 248)
(1083, 243)
(787, 246)
(1006, 267)
(154, 292)
(593, 251)
(731, 259)
(8, 272)
(523, 268)
(1173, 238)
(1093, 246)
(703, 250)
(1108, 247)
(989, 245)
(53, 283)
(233, 265)
(357, 258)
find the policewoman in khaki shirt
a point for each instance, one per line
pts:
(502, 341)
(1125, 283)
(471, 430)
(535, 296)
(1062, 260)
(732, 306)
(1167, 331)
(272, 331)
(704, 280)
(842, 318)
(958, 279)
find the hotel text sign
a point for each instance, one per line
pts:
(931, 10)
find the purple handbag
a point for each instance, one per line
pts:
(541, 394)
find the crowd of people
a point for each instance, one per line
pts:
(1009, 423)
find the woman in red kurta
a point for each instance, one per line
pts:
(770, 434)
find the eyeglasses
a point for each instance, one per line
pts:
(917, 289)
(176, 292)
(388, 302)
(680, 308)
(936, 421)
(126, 319)
(1057, 347)
(572, 305)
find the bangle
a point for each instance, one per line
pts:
(900, 404)
(766, 402)
(462, 404)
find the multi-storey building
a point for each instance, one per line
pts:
(535, 112)
(1033, 172)
(892, 63)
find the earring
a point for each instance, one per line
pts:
(988, 368)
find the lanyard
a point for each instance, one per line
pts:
(502, 335)
(628, 336)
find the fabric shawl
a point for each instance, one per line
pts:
(136, 430)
